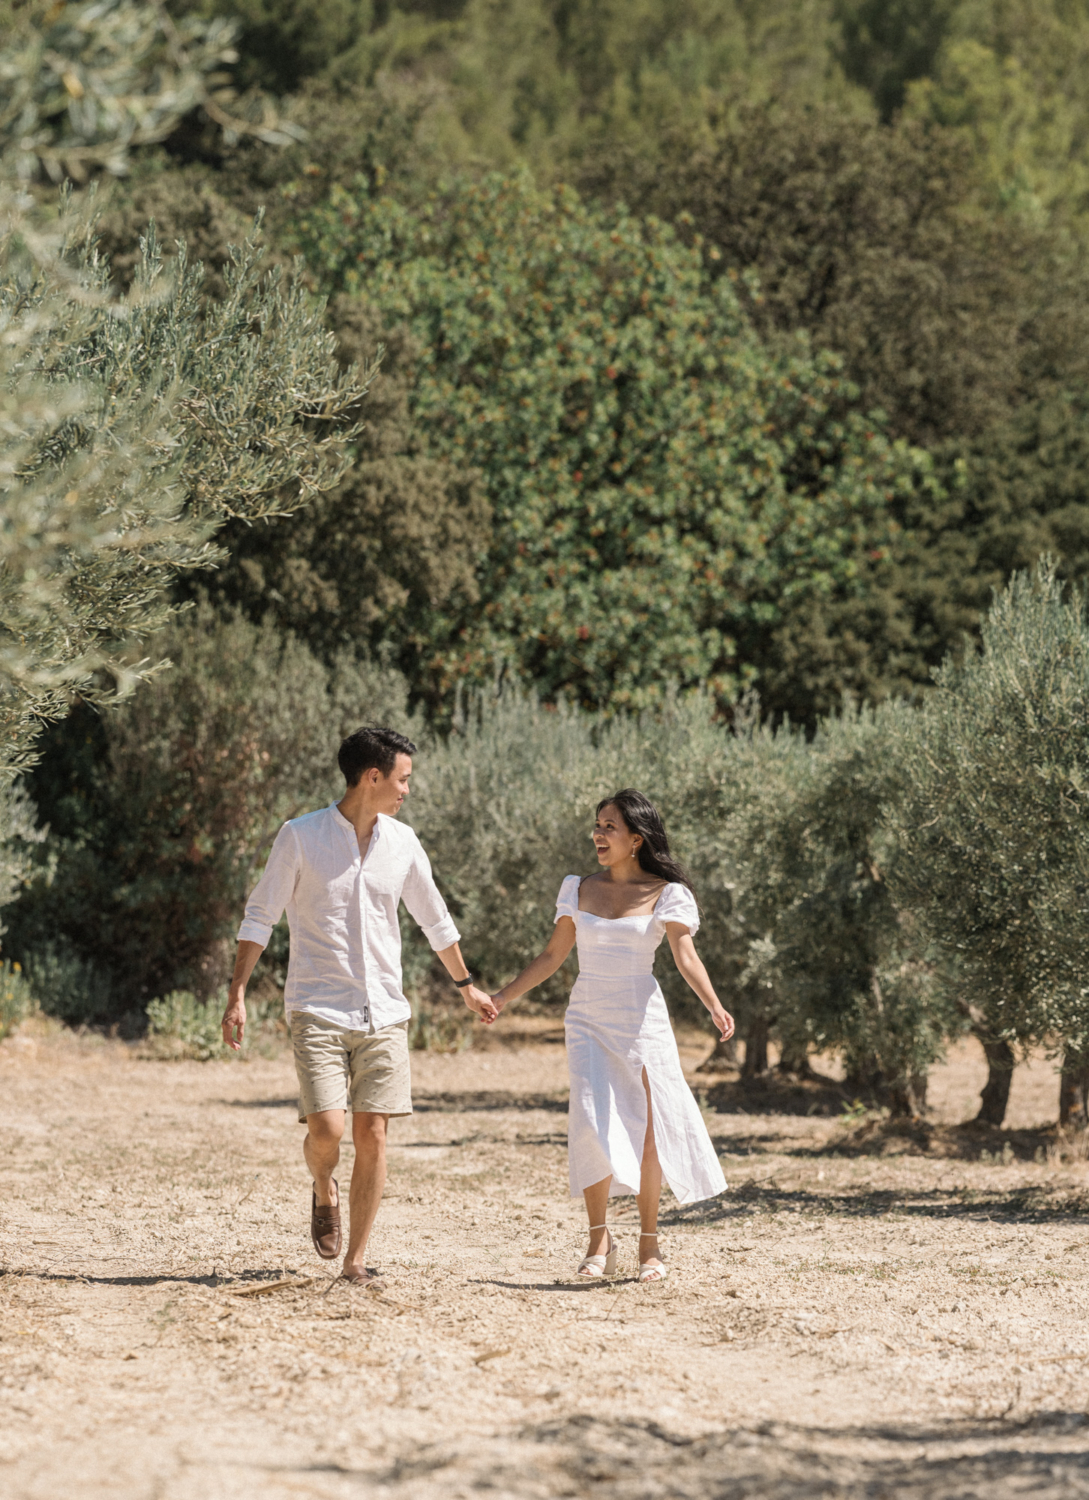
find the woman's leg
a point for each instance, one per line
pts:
(650, 1189)
(597, 1205)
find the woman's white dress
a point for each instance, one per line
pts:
(617, 1024)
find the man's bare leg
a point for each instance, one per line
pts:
(368, 1183)
(321, 1149)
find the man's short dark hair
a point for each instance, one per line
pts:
(367, 748)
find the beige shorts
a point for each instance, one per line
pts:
(364, 1071)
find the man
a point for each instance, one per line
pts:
(341, 874)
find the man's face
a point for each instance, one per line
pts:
(393, 789)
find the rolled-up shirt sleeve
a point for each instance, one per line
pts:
(421, 895)
(273, 891)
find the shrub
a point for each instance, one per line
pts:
(505, 807)
(439, 1027)
(162, 810)
(72, 988)
(181, 1026)
(16, 997)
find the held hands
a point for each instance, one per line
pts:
(480, 1003)
(234, 1019)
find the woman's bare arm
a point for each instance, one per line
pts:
(691, 966)
(543, 966)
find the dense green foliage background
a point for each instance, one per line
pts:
(733, 356)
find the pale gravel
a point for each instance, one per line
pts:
(836, 1325)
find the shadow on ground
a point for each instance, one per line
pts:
(1032, 1204)
(628, 1460)
(215, 1280)
(469, 1101)
(772, 1093)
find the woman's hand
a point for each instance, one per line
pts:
(723, 1021)
(499, 1000)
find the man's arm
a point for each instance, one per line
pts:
(234, 1017)
(421, 895)
(477, 1000)
(263, 910)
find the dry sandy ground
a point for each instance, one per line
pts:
(862, 1314)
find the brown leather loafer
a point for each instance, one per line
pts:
(325, 1225)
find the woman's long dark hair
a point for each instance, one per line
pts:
(642, 817)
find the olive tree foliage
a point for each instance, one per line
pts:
(505, 807)
(129, 429)
(833, 962)
(784, 836)
(993, 827)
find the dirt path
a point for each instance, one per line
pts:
(853, 1318)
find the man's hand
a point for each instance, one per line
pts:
(480, 1002)
(234, 1018)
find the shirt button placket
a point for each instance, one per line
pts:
(363, 943)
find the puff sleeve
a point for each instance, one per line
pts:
(567, 902)
(677, 904)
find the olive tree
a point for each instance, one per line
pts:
(130, 429)
(993, 825)
(833, 960)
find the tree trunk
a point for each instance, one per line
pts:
(1074, 1091)
(756, 1046)
(906, 1098)
(996, 1091)
(723, 1057)
(794, 1060)
(919, 1082)
(214, 969)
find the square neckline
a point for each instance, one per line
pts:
(635, 917)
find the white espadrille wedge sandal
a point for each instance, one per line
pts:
(600, 1265)
(647, 1270)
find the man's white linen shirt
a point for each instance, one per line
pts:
(345, 963)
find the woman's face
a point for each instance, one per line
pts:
(613, 839)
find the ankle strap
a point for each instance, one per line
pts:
(649, 1234)
(598, 1226)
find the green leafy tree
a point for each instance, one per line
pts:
(993, 829)
(529, 81)
(874, 240)
(964, 323)
(397, 540)
(662, 485)
(885, 44)
(1012, 77)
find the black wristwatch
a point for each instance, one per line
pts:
(461, 983)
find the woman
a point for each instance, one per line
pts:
(632, 1117)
